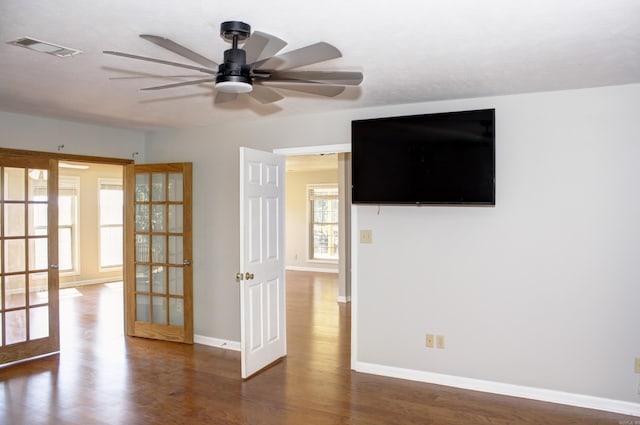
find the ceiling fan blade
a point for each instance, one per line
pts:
(144, 58)
(314, 53)
(262, 45)
(265, 95)
(317, 89)
(184, 83)
(343, 78)
(222, 97)
(147, 76)
(181, 50)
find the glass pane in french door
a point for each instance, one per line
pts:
(28, 288)
(159, 263)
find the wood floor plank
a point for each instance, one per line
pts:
(103, 377)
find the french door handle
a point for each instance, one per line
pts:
(54, 266)
(186, 263)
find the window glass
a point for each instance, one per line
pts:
(68, 189)
(111, 222)
(323, 204)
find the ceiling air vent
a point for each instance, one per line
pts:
(44, 47)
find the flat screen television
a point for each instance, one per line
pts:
(445, 158)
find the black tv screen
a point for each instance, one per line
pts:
(446, 158)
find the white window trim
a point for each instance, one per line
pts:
(73, 182)
(310, 258)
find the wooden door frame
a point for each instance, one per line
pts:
(66, 157)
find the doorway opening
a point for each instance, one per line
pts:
(323, 220)
(90, 215)
(318, 246)
(318, 207)
(90, 243)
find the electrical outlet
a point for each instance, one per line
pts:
(366, 236)
(439, 341)
(637, 367)
(430, 341)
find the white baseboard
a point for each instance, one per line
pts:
(343, 299)
(90, 282)
(577, 400)
(216, 342)
(310, 269)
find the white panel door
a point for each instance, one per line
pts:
(262, 282)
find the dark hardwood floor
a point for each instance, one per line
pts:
(102, 377)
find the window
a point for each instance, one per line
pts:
(323, 203)
(68, 188)
(111, 224)
(67, 223)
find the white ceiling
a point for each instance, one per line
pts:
(409, 51)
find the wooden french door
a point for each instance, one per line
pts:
(29, 320)
(158, 252)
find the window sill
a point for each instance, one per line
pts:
(322, 261)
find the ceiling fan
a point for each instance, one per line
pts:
(253, 67)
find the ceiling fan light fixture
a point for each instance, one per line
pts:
(233, 84)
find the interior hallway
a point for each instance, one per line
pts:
(102, 377)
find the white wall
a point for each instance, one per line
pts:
(297, 217)
(540, 291)
(19, 131)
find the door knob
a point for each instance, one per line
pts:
(248, 276)
(239, 276)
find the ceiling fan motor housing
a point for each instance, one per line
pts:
(234, 67)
